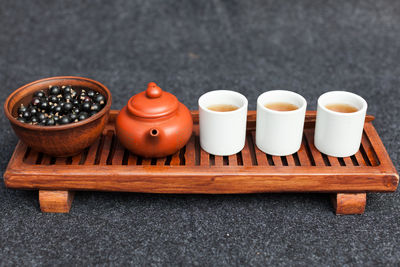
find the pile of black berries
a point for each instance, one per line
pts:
(62, 105)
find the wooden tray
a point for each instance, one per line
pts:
(107, 166)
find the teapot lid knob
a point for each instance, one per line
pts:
(153, 91)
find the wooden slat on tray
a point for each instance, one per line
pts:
(46, 159)
(369, 150)
(303, 155)
(61, 161)
(277, 160)
(246, 153)
(204, 158)
(91, 155)
(348, 161)
(232, 160)
(161, 161)
(118, 154)
(333, 161)
(190, 152)
(132, 159)
(317, 156)
(32, 156)
(75, 160)
(360, 159)
(261, 157)
(107, 142)
(219, 161)
(175, 160)
(146, 161)
(290, 160)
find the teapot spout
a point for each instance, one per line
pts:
(154, 132)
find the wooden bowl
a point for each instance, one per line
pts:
(60, 140)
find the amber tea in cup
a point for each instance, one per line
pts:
(223, 107)
(281, 106)
(222, 122)
(339, 124)
(343, 108)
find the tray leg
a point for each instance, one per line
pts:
(345, 203)
(55, 201)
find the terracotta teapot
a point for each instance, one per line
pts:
(154, 123)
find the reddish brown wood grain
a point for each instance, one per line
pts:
(261, 157)
(219, 161)
(246, 154)
(118, 154)
(360, 159)
(232, 160)
(175, 160)
(277, 161)
(290, 160)
(109, 167)
(204, 158)
(303, 155)
(345, 204)
(317, 156)
(161, 161)
(75, 160)
(106, 148)
(132, 159)
(55, 201)
(190, 152)
(92, 152)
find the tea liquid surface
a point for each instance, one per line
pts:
(281, 106)
(343, 108)
(223, 107)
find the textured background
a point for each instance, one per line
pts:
(190, 47)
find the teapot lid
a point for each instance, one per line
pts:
(152, 103)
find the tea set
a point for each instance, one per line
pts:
(155, 124)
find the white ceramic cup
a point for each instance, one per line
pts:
(339, 134)
(222, 133)
(280, 133)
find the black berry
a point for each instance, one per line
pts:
(91, 93)
(68, 97)
(34, 120)
(39, 94)
(67, 107)
(67, 90)
(33, 111)
(57, 109)
(73, 117)
(86, 106)
(35, 101)
(44, 105)
(82, 116)
(26, 115)
(100, 99)
(22, 109)
(55, 90)
(41, 117)
(95, 107)
(50, 122)
(61, 105)
(64, 120)
(53, 99)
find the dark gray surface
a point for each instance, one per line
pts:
(188, 48)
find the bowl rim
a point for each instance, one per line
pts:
(103, 111)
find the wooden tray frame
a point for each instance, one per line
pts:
(107, 166)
